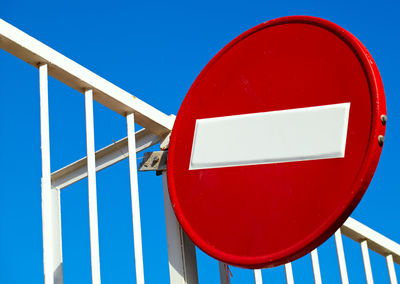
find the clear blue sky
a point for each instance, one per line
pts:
(155, 49)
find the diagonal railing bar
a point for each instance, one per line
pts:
(368, 240)
(376, 242)
(105, 157)
(79, 78)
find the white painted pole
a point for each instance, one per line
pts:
(91, 165)
(315, 266)
(391, 269)
(289, 273)
(367, 262)
(51, 218)
(137, 231)
(258, 276)
(341, 257)
(181, 250)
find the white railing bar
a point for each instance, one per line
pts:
(46, 183)
(391, 269)
(376, 242)
(181, 250)
(52, 247)
(289, 273)
(341, 257)
(257, 276)
(315, 267)
(105, 157)
(79, 78)
(93, 223)
(367, 262)
(137, 231)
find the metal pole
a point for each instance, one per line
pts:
(181, 250)
(224, 273)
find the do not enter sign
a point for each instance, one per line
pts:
(276, 142)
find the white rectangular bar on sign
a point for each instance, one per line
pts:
(300, 134)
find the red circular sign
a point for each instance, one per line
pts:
(312, 94)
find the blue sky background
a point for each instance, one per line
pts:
(155, 50)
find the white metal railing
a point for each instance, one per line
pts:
(368, 239)
(157, 126)
(94, 87)
(81, 79)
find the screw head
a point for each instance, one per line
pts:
(384, 119)
(381, 139)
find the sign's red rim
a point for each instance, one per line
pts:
(362, 180)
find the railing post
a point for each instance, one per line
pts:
(51, 213)
(367, 262)
(91, 167)
(137, 231)
(181, 250)
(391, 269)
(341, 257)
(257, 276)
(289, 273)
(315, 266)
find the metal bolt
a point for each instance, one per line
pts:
(381, 139)
(384, 119)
